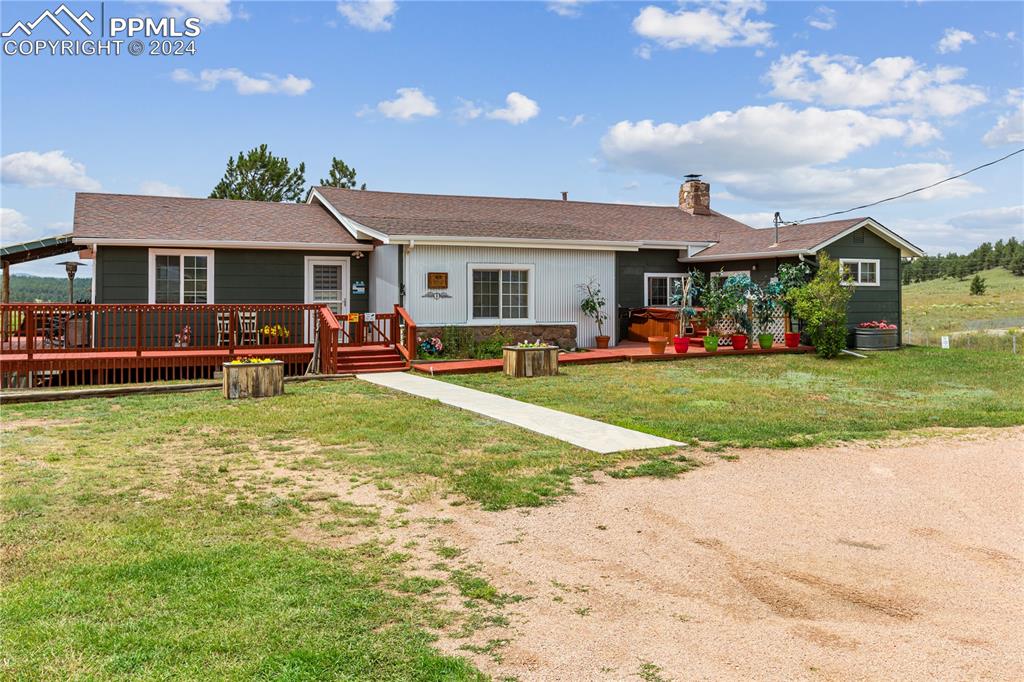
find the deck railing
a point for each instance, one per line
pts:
(113, 343)
(404, 334)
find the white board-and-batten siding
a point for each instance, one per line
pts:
(556, 273)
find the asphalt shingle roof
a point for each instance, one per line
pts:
(791, 238)
(126, 216)
(398, 213)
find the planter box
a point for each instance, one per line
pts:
(261, 380)
(530, 362)
(876, 339)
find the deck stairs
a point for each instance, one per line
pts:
(375, 358)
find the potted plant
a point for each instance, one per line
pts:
(592, 305)
(681, 298)
(717, 302)
(791, 276)
(876, 335)
(764, 312)
(183, 339)
(275, 333)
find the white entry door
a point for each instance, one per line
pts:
(327, 283)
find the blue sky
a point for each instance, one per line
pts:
(801, 108)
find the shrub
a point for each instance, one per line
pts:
(491, 346)
(821, 304)
(978, 286)
(458, 341)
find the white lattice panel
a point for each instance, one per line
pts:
(727, 327)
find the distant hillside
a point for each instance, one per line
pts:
(1007, 254)
(945, 305)
(32, 289)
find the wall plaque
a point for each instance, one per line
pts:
(437, 280)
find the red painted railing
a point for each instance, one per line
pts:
(63, 344)
(403, 334)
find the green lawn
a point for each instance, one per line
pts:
(784, 400)
(154, 537)
(945, 305)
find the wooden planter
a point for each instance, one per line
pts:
(876, 339)
(257, 380)
(530, 362)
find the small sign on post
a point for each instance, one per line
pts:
(945, 342)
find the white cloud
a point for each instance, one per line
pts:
(756, 219)
(778, 154)
(14, 228)
(410, 103)
(519, 109)
(264, 84)
(642, 51)
(706, 27)
(573, 121)
(45, 169)
(823, 19)
(468, 110)
(963, 232)
(752, 138)
(208, 11)
(953, 40)
(920, 132)
(899, 84)
(566, 8)
(160, 189)
(838, 188)
(369, 15)
(1009, 129)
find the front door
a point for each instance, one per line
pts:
(327, 282)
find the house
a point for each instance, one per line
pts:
(471, 261)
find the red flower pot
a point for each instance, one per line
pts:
(682, 343)
(792, 339)
(602, 341)
(739, 342)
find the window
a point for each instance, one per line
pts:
(663, 288)
(862, 272)
(180, 276)
(500, 292)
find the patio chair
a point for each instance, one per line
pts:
(247, 332)
(223, 329)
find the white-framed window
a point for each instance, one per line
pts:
(863, 272)
(500, 293)
(180, 276)
(659, 287)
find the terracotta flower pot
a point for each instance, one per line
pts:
(739, 342)
(792, 339)
(765, 341)
(657, 344)
(710, 343)
(681, 343)
(602, 341)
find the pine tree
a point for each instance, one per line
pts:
(341, 175)
(978, 286)
(258, 175)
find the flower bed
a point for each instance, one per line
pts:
(876, 335)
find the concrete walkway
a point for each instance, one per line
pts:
(580, 431)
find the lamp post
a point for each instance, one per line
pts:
(71, 267)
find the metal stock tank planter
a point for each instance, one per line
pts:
(534, 360)
(253, 378)
(876, 336)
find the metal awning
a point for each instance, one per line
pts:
(36, 249)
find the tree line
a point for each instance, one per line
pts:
(33, 289)
(259, 175)
(1007, 254)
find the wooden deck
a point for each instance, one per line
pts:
(627, 351)
(44, 345)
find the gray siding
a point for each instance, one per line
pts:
(240, 276)
(872, 303)
(630, 267)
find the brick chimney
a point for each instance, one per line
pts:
(695, 196)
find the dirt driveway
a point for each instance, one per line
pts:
(896, 561)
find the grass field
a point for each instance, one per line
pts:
(185, 536)
(945, 305)
(784, 401)
(155, 537)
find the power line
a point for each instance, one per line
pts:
(906, 194)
